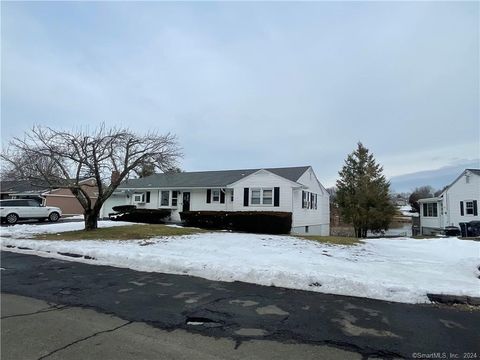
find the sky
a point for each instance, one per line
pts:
(253, 84)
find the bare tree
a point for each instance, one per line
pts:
(63, 159)
(418, 193)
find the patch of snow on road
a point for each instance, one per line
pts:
(402, 270)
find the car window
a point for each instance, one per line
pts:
(33, 203)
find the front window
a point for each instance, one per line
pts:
(216, 195)
(261, 196)
(267, 197)
(430, 210)
(139, 197)
(174, 198)
(469, 207)
(256, 197)
(165, 198)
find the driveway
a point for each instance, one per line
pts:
(217, 313)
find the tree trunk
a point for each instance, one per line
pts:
(91, 220)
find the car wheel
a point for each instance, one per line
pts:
(54, 216)
(11, 218)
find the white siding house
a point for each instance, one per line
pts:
(458, 203)
(296, 190)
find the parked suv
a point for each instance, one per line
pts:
(15, 209)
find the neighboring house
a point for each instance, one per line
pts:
(458, 203)
(62, 198)
(294, 189)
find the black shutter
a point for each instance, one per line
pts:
(245, 196)
(425, 208)
(461, 208)
(475, 209)
(303, 199)
(148, 197)
(276, 196)
(209, 196)
(222, 196)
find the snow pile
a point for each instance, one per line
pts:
(27, 230)
(402, 270)
(406, 211)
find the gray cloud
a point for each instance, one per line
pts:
(253, 84)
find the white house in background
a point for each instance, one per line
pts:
(293, 189)
(456, 204)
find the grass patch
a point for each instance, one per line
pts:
(121, 233)
(335, 240)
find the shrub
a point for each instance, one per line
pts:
(263, 222)
(149, 216)
(123, 208)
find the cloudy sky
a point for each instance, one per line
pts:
(248, 85)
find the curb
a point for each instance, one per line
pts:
(454, 299)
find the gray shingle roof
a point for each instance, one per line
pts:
(15, 186)
(206, 178)
(474, 171)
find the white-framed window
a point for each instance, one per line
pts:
(174, 198)
(215, 195)
(165, 198)
(309, 200)
(469, 207)
(267, 196)
(139, 197)
(262, 196)
(430, 210)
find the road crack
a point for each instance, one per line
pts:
(85, 338)
(45, 310)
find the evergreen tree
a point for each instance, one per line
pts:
(363, 193)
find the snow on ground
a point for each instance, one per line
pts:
(405, 210)
(27, 230)
(402, 269)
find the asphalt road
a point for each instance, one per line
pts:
(212, 319)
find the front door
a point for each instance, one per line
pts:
(186, 201)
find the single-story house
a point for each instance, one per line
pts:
(62, 198)
(458, 203)
(291, 189)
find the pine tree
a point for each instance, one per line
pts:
(363, 193)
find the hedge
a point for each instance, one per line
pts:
(263, 222)
(149, 216)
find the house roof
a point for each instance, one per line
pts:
(207, 178)
(27, 186)
(472, 171)
(16, 186)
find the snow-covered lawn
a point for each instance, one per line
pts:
(402, 269)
